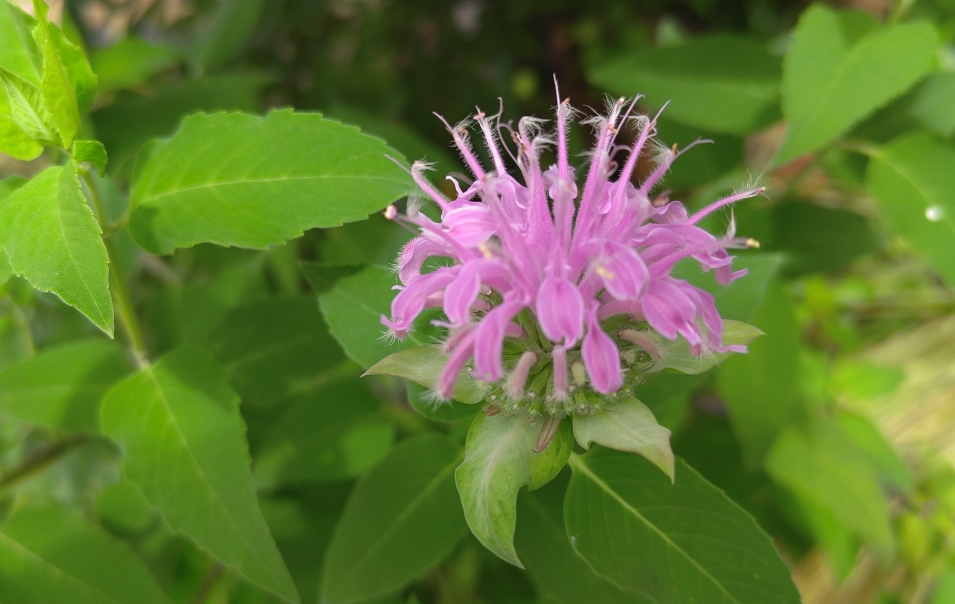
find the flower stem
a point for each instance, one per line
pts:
(117, 284)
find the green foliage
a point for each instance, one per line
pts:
(130, 62)
(422, 365)
(93, 152)
(401, 519)
(184, 445)
(841, 67)
(499, 459)
(619, 515)
(325, 173)
(51, 237)
(51, 555)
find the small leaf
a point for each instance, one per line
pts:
(62, 387)
(58, 93)
(676, 543)
(19, 53)
(275, 348)
(421, 399)
(913, 183)
(423, 365)
(675, 355)
(353, 310)
(92, 151)
(630, 426)
(332, 434)
(77, 68)
(823, 466)
(841, 67)
(130, 62)
(555, 568)
(52, 239)
(184, 445)
(51, 555)
(499, 459)
(718, 83)
(318, 173)
(401, 519)
(14, 139)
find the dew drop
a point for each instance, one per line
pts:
(934, 213)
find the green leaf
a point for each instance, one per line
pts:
(499, 459)
(423, 365)
(51, 238)
(912, 181)
(421, 399)
(630, 426)
(332, 434)
(353, 310)
(866, 436)
(824, 467)
(402, 518)
(92, 151)
(317, 173)
(48, 554)
(816, 238)
(841, 67)
(62, 387)
(551, 561)
(933, 104)
(58, 93)
(6, 271)
(77, 68)
(184, 445)
(275, 348)
(717, 83)
(675, 355)
(19, 53)
(674, 543)
(323, 277)
(231, 24)
(130, 62)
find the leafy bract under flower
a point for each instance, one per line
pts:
(547, 271)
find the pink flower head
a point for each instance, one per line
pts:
(546, 271)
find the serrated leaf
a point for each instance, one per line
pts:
(129, 62)
(62, 387)
(353, 310)
(913, 183)
(676, 543)
(718, 83)
(822, 465)
(401, 519)
(58, 93)
(551, 561)
(48, 554)
(318, 173)
(841, 67)
(92, 151)
(275, 348)
(499, 459)
(226, 33)
(423, 365)
(51, 237)
(14, 139)
(630, 426)
(332, 434)
(184, 445)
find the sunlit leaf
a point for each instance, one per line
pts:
(92, 151)
(423, 365)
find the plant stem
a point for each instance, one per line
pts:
(40, 460)
(117, 285)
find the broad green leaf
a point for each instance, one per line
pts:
(933, 104)
(77, 68)
(62, 387)
(353, 310)
(815, 238)
(48, 554)
(375, 241)
(499, 459)
(130, 62)
(323, 277)
(184, 445)
(24, 119)
(275, 348)
(549, 557)
(913, 182)
(630, 426)
(6, 271)
(841, 67)
(717, 83)
(19, 53)
(676, 543)
(230, 26)
(318, 173)
(121, 128)
(92, 151)
(675, 355)
(423, 365)
(422, 400)
(58, 93)
(401, 519)
(824, 467)
(332, 434)
(123, 506)
(7, 186)
(51, 237)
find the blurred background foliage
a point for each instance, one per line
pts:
(835, 432)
